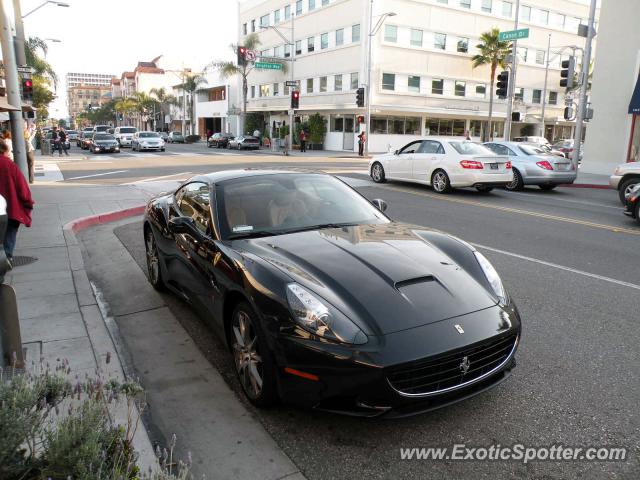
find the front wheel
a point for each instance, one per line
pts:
(625, 189)
(440, 182)
(547, 188)
(377, 173)
(153, 261)
(517, 183)
(252, 358)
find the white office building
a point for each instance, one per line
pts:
(422, 77)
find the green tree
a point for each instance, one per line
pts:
(44, 76)
(191, 85)
(317, 129)
(493, 52)
(165, 100)
(126, 107)
(42, 96)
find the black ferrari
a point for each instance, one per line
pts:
(324, 301)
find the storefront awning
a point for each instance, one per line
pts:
(5, 106)
(634, 105)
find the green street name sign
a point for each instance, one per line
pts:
(268, 66)
(514, 35)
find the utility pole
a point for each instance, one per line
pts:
(21, 55)
(184, 103)
(544, 91)
(584, 79)
(13, 92)
(293, 61)
(512, 80)
(368, 92)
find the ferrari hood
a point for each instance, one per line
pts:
(386, 277)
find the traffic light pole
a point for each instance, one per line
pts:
(512, 80)
(13, 93)
(293, 62)
(544, 90)
(368, 92)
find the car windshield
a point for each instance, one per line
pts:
(470, 148)
(71, 132)
(149, 135)
(103, 136)
(277, 204)
(128, 130)
(102, 129)
(529, 150)
(176, 134)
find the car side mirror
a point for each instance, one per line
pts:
(181, 225)
(379, 204)
(396, 152)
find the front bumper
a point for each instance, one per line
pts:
(125, 142)
(614, 181)
(150, 147)
(101, 149)
(356, 380)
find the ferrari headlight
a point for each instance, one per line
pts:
(492, 277)
(320, 318)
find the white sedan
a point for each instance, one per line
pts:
(147, 141)
(444, 163)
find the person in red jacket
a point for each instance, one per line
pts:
(15, 190)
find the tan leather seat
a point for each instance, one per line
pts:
(235, 215)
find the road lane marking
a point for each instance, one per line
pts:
(519, 211)
(559, 267)
(153, 179)
(97, 175)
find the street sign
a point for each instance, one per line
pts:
(514, 35)
(250, 55)
(268, 66)
(291, 83)
(25, 69)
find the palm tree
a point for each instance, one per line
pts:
(33, 47)
(164, 99)
(144, 103)
(191, 85)
(493, 52)
(125, 106)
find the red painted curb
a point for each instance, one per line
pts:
(85, 222)
(587, 185)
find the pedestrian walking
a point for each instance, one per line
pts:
(303, 140)
(55, 141)
(362, 138)
(62, 135)
(6, 138)
(15, 189)
(29, 133)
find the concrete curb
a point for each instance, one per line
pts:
(587, 185)
(85, 222)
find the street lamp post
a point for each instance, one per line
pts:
(544, 90)
(373, 30)
(512, 80)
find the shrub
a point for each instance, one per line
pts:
(317, 129)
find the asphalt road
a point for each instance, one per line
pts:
(569, 259)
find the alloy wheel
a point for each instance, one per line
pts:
(245, 353)
(440, 182)
(376, 172)
(153, 261)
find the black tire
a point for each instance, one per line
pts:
(239, 147)
(440, 181)
(547, 188)
(377, 173)
(517, 184)
(162, 149)
(625, 187)
(252, 358)
(483, 189)
(154, 272)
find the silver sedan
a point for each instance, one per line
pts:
(532, 166)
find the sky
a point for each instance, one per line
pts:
(111, 36)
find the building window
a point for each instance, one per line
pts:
(324, 41)
(253, 91)
(553, 98)
(443, 1)
(339, 37)
(325, 3)
(323, 84)
(537, 96)
(276, 89)
(460, 89)
(244, 28)
(465, 3)
(299, 7)
(309, 85)
(523, 53)
(540, 54)
(276, 16)
(264, 20)
(486, 6)
(253, 25)
(277, 52)
(287, 51)
(440, 41)
(437, 86)
(337, 83)
(336, 123)
(378, 125)
(390, 33)
(463, 45)
(481, 91)
(543, 17)
(355, 33)
(312, 4)
(519, 94)
(265, 90)
(311, 44)
(414, 83)
(557, 20)
(388, 81)
(525, 13)
(287, 12)
(286, 90)
(507, 9)
(354, 81)
(416, 37)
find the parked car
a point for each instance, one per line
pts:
(147, 141)
(101, 128)
(72, 135)
(632, 207)
(176, 137)
(433, 323)
(532, 139)
(104, 142)
(624, 178)
(84, 140)
(164, 136)
(123, 135)
(243, 142)
(533, 166)
(548, 149)
(443, 163)
(219, 140)
(566, 147)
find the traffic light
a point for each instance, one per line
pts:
(295, 99)
(27, 89)
(567, 73)
(502, 90)
(568, 113)
(360, 97)
(242, 55)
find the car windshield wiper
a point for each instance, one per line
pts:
(322, 226)
(253, 234)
